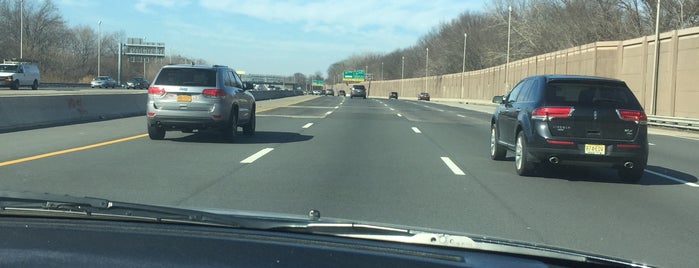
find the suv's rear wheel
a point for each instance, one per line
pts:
(35, 85)
(497, 151)
(230, 130)
(156, 132)
(523, 165)
(249, 128)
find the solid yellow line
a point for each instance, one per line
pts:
(30, 158)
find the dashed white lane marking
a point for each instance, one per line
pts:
(393, 109)
(651, 144)
(672, 178)
(440, 110)
(416, 130)
(454, 168)
(256, 156)
(307, 125)
(399, 115)
(460, 115)
(337, 107)
(328, 113)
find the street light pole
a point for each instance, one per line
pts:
(509, 31)
(402, 71)
(463, 67)
(427, 64)
(656, 56)
(382, 71)
(99, 45)
(21, 29)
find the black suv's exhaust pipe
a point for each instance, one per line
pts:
(554, 160)
(628, 164)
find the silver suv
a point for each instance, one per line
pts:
(189, 97)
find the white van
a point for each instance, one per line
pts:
(15, 74)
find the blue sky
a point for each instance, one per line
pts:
(269, 37)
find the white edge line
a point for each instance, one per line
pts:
(454, 168)
(417, 130)
(256, 156)
(307, 125)
(672, 178)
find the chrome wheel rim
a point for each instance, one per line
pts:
(518, 153)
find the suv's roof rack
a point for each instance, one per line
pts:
(16, 61)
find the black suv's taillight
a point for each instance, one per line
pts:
(548, 112)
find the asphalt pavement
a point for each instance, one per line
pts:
(403, 162)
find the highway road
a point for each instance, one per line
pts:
(393, 161)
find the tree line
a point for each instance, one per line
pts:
(537, 27)
(66, 54)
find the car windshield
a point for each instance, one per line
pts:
(553, 122)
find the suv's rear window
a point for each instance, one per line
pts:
(359, 87)
(186, 77)
(589, 94)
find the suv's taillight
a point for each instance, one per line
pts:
(156, 90)
(213, 92)
(546, 113)
(632, 115)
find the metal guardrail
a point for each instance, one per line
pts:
(674, 122)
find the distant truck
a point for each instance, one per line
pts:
(15, 73)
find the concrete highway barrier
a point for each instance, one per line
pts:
(19, 112)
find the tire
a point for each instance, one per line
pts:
(156, 132)
(35, 85)
(497, 151)
(249, 128)
(523, 164)
(229, 132)
(632, 175)
(15, 85)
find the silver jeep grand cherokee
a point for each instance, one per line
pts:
(188, 97)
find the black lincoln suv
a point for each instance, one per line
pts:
(571, 120)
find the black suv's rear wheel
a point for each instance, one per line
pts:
(497, 151)
(523, 165)
(156, 132)
(229, 132)
(249, 128)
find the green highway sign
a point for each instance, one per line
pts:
(353, 76)
(318, 82)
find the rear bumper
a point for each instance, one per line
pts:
(179, 120)
(575, 155)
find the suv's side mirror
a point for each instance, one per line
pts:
(248, 86)
(498, 99)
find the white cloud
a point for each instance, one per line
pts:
(149, 6)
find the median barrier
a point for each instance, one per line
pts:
(29, 112)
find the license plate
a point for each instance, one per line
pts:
(597, 149)
(184, 98)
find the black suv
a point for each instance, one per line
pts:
(571, 120)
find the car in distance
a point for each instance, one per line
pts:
(393, 95)
(137, 82)
(187, 97)
(357, 91)
(341, 93)
(423, 96)
(571, 120)
(329, 92)
(16, 73)
(103, 82)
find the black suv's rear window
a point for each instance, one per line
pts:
(186, 77)
(590, 94)
(359, 87)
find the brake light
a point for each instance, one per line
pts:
(546, 113)
(632, 115)
(559, 142)
(213, 92)
(629, 145)
(156, 90)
